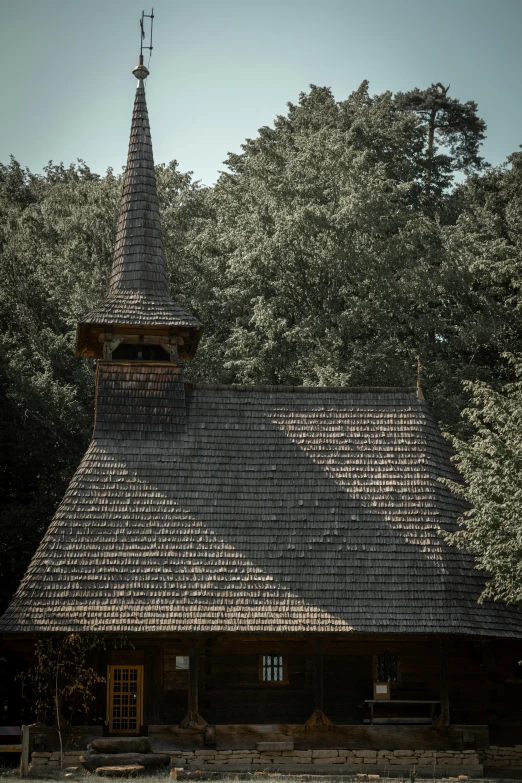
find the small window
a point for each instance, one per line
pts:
(387, 670)
(273, 668)
(125, 698)
(182, 662)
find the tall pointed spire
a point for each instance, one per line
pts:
(138, 295)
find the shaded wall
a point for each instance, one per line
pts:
(484, 681)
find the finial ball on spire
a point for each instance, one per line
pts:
(140, 71)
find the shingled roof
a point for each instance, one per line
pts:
(255, 509)
(138, 288)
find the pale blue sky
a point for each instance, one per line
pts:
(222, 68)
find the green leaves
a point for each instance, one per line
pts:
(490, 462)
(325, 265)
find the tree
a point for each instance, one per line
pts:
(63, 681)
(485, 314)
(55, 243)
(324, 266)
(449, 125)
(306, 233)
(490, 463)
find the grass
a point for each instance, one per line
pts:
(163, 775)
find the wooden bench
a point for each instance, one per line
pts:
(11, 731)
(372, 702)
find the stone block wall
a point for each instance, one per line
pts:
(496, 756)
(390, 762)
(427, 762)
(44, 759)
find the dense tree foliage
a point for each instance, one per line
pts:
(491, 465)
(489, 233)
(324, 264)
(317, 258)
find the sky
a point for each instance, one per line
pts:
(221, 69)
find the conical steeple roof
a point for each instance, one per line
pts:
(138, 293)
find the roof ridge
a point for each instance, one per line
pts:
(301, 389)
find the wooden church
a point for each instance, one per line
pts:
(270, 558)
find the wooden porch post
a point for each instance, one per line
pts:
(193, 689)
(318, 718)
(193, 718)
(24, 757)
(319, 676)
(444, 684)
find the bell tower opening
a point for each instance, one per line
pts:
(136, 352)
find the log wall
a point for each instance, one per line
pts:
(484, 681)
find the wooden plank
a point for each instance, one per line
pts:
(125, 657)
(382, 737)
(176, 738)
(24, 757)
(10, 731)
(401, 701)
(414, 721)
(10, 748)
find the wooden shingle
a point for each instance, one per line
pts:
(255, 509)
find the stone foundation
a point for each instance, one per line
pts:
(42, 759)
(391, 763)
(496, 756)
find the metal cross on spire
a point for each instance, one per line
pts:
(142, 27)
(141, 71)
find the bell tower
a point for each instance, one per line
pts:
(139, 321)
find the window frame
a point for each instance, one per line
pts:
(273, 683)
(110, 694)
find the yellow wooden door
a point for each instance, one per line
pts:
(125, 697)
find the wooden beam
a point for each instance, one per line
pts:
(319, 676)
(444, 686)
(24, 758)
(193, 718)
(246, 737)
(381, 737)
(193, 689)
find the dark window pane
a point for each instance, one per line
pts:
(387, 667)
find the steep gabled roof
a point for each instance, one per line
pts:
(255, 510)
